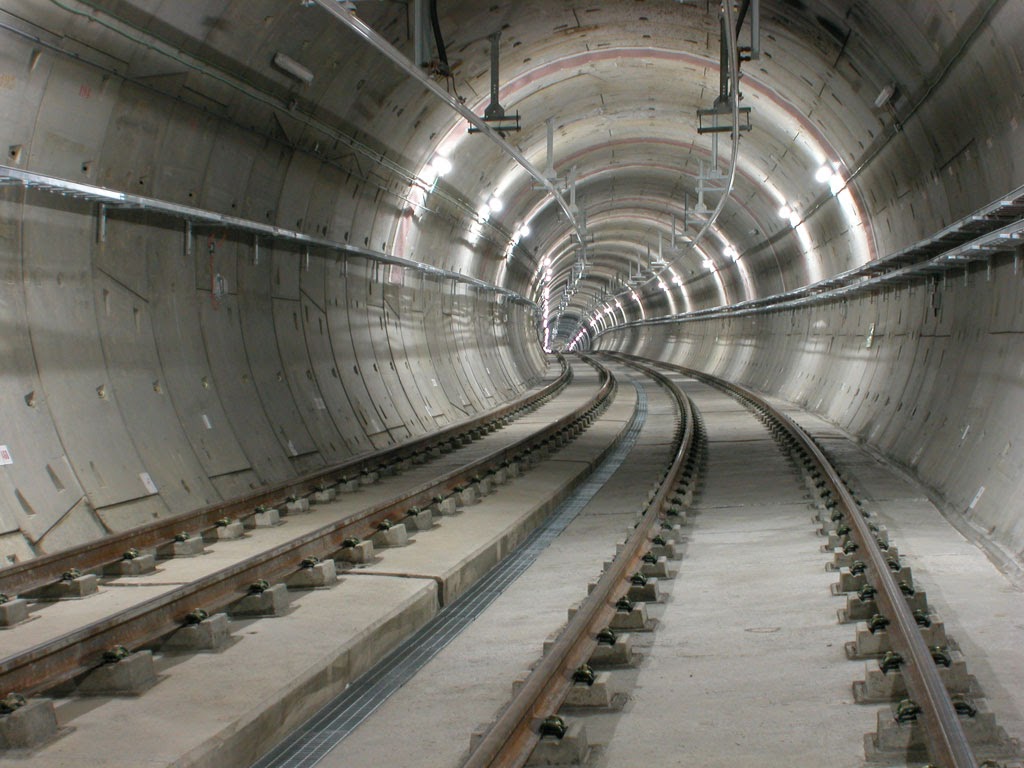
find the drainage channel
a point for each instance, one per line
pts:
(340, 717)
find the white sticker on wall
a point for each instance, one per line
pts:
(319, 404)
(291, 448)
(5, 456)
(148, 482)
(206, 421)
(977, 497)
(434, 381)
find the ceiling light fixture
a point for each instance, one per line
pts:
(290, 66)
(441, 165)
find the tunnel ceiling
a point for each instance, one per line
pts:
(622, 81)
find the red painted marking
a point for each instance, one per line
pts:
(85, 91)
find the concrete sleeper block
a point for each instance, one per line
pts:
(190, 547)
(323, 574)
(29, 726)
(134, 567)
(620, 654)
(65, 589)
(360, 553)
(423, 521)
(395, 536)
(13, 612)
(448, 506)
(271, 602)
(636, 619)
(296, 507)
(267, 519)
(211, 634)
(233, 530)
(324, 497)
(468, 496)
(656, 570)
(572, 749)
(128, 677)
(647, 593)
(599, 694)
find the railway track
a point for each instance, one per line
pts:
(532, 714)
(63, 658)
(925, 721)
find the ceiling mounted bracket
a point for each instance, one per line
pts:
(724, 109)
(494, 114)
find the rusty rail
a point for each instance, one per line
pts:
(947, 743)
(512, 737)
(63, 658)
(90, 556)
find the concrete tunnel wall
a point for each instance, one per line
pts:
(129, 391)
(930, 375)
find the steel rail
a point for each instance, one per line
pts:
(512, 737)
(47, 569)
(947, 743)
(367, 33)
(61, 659)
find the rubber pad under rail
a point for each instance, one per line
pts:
(310, 743)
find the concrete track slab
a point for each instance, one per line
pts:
(209, 705)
